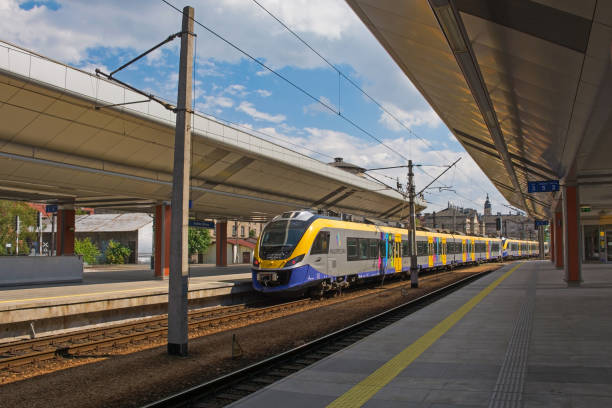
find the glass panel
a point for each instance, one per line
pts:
(363, 248)
(351, 249)
(373, 249)
(321, 243)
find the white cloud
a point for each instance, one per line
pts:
(263, 93)
(212, 102)
(410, 119)
(237, 90)
(249, 109)
(316, 107)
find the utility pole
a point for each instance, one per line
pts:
(179, 268)
(414, 272)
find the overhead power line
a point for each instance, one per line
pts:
(288, 81)
(353, 83)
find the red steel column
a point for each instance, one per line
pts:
(221, 244)
(571, 235)
(558, 240)
(551, 247)
(163, 215)
(65, 232)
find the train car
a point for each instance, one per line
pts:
(516, 248)
(302, 252)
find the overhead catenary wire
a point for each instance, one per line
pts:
(288, 81)
(341, 74)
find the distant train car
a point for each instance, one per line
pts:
(302, 252)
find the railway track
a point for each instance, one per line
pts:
(238, 384)
(20, 353)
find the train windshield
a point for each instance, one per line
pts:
(279, 238)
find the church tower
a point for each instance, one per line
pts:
(487, 206)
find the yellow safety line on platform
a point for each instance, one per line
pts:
(362, 392)
(82, 294)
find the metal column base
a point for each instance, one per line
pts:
(177, 349)
(414, 279)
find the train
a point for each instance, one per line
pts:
(303, 252)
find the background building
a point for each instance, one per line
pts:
(468, 221)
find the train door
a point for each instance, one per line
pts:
(463, 251)
(472, 250)
(398, 253)
(488, 255)
(520, 244)
(443, 251)
(430, 251)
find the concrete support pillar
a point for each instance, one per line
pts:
(221, 232)
(65, 232)
(572, 241)
(163, 216)
(558, 240)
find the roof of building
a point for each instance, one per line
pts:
(109, 222)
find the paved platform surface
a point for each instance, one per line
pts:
(530, 341)
(108, 282)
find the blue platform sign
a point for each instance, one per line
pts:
(51, 208)
(201, 224)
(541, 223)
(543, 186)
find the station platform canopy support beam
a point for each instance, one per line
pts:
(558, 221)
(163, 216)
(572, 241)
(221, 244)
(65, 232)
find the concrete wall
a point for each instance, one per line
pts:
(210, 256)
(144, 245)
(25, 270)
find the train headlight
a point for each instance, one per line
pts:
(256, 262)
(293, 261)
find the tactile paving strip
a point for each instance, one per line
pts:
(508, 391)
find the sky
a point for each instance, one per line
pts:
(105, 34)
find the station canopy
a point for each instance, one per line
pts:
(525, 86)
(56, 147)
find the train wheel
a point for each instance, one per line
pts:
(316, 292)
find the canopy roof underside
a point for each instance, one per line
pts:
(56, 147)
(525, 86)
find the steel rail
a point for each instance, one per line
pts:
(74, 343)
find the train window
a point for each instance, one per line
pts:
(373, 249)
(383, 249)
(321, 243)
(363, 248)
(421, 248)
(405, 248)
(352, 251)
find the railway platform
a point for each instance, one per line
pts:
(518, 337)
(109, 294)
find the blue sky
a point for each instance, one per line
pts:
(107, 33)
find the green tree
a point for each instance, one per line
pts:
(27, 230)
(115, 253)
(252, 233)
(199, 240)
(88, 249)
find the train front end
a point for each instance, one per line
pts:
(279, 264)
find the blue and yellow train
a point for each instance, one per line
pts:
(303, 252)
